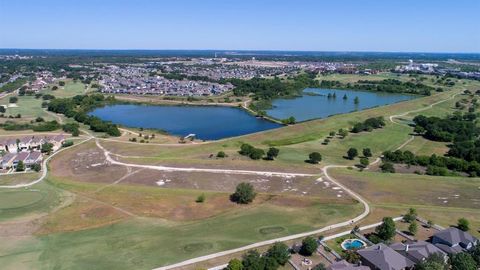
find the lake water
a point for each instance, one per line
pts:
(320, 106)
(213, 123)
(207, 122)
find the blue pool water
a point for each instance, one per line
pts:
(353, 244)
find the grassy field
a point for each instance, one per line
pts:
(69, 90)
(143, 243)
(132, 226)
(27, 201)
(442, 199)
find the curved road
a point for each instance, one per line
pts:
(365, 212)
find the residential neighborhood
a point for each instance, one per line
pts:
(27, 151)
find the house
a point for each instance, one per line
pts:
(24, 143)
(3, 146)
(418, 251)
(344, 265)
(36, 143)
(56, 141)
(382, 257)
(453, 240)
(12, 146)
(35, 157)
(7, 161)
(22, 156)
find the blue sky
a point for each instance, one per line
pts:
(335, 25)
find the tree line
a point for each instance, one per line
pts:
(78, 108)
(387, 85)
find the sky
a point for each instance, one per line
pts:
(303, 25)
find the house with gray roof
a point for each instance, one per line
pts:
(11, 145)
(453, 240)
(344, 265)
(7, 161)
(35, 157)
(382, 257)
(418, 251)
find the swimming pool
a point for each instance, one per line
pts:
(353, 244)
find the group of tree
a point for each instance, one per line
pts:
(314, 158)
(257, 153)
(369, 124)
(276, 256)
(460, 261)
(387, 85)
(78, 107)
(72, 128)
(435, 165)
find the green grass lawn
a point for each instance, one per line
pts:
(29, 107)
(21, 202)
(144, 243)
(69, 90)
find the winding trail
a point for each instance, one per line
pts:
(324, 170)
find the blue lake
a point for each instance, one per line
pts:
(214, 122)
(207, 122)
(320, 106)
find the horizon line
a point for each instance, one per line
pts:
(241, 50)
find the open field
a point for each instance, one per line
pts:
(118, 217)
(29, 107)
(18, 178)
(70, 89)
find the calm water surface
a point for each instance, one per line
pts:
(207, 122)
(213, 123)
(320, 106)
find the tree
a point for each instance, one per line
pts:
(61, 83)
(47, 148)
(351, 256)
(367, 152)
(280, 252)
(345, 97)
(319, 266)
(246, 149)
(386, 230)
(252, 261)
(356, 100)
(364, 162)
(314, 157)
(200, 198)
(234, 264)
(475, 252)
(434, 262)
(13, 99)
(463, 224)
(463, 261)
(257, 153)
(244, 193)
(410, 216)
(272, 153)
(309, 246)
(332, 133)
(269, 263)
(221, 154)
(352, 153)
(387, 167)
(20, 166)
(37, 167)
(413, 228)
(343, 133)
(2, 109)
